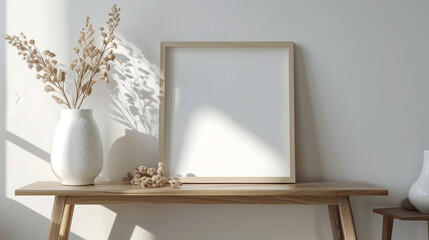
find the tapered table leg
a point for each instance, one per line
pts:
(66, 222)
(56, 217)
(337, 229)
(347, 221)
(387, 227)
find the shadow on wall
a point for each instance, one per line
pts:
(27, 146)
(197, 222)
(308, 163)
(133, 91)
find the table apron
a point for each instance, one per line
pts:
(133, 199)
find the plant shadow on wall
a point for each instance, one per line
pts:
(134, 104)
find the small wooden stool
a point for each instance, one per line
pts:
(398, 213)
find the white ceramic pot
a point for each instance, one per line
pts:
(419, 192)
(77, 152)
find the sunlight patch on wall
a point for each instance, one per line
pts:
(97, 221)
(141, 233)
(212, 140)
(17, 175)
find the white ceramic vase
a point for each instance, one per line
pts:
(419, 192)
(77, 152)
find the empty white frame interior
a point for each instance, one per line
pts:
(227, 113)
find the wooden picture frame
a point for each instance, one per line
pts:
(275, 62)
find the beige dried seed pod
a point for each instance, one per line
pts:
(63, 76)
(57, 99)
(153, 180)
(160, 171)
(174, 185)
(49, 88)
(142, 169)
(151, 171)
(160, 165)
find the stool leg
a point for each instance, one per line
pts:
(387, 227)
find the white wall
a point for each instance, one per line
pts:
(362, 70)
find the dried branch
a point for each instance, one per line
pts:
(90, 66)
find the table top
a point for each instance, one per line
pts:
(402, 214)
(125, 189)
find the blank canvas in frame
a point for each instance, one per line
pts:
(227, 111)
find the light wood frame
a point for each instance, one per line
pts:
(165, 116)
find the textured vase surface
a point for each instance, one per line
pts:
(419, 192)
(77, 152)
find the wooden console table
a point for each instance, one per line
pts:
(334, 194)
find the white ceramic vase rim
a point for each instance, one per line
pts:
(81, 109)
(77, 112)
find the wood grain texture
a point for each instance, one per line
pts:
(242, 180)
(191, 44)
(306, 200)
(402, 214)
(119, 188)
(335, 194)
(56, 218)
(292, 178)
(66, 222)
(347, 221)
(166, 108)
(163, 113)
(387, 228)
(336, 227)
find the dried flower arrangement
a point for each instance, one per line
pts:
(150, 178)
(90, 66)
